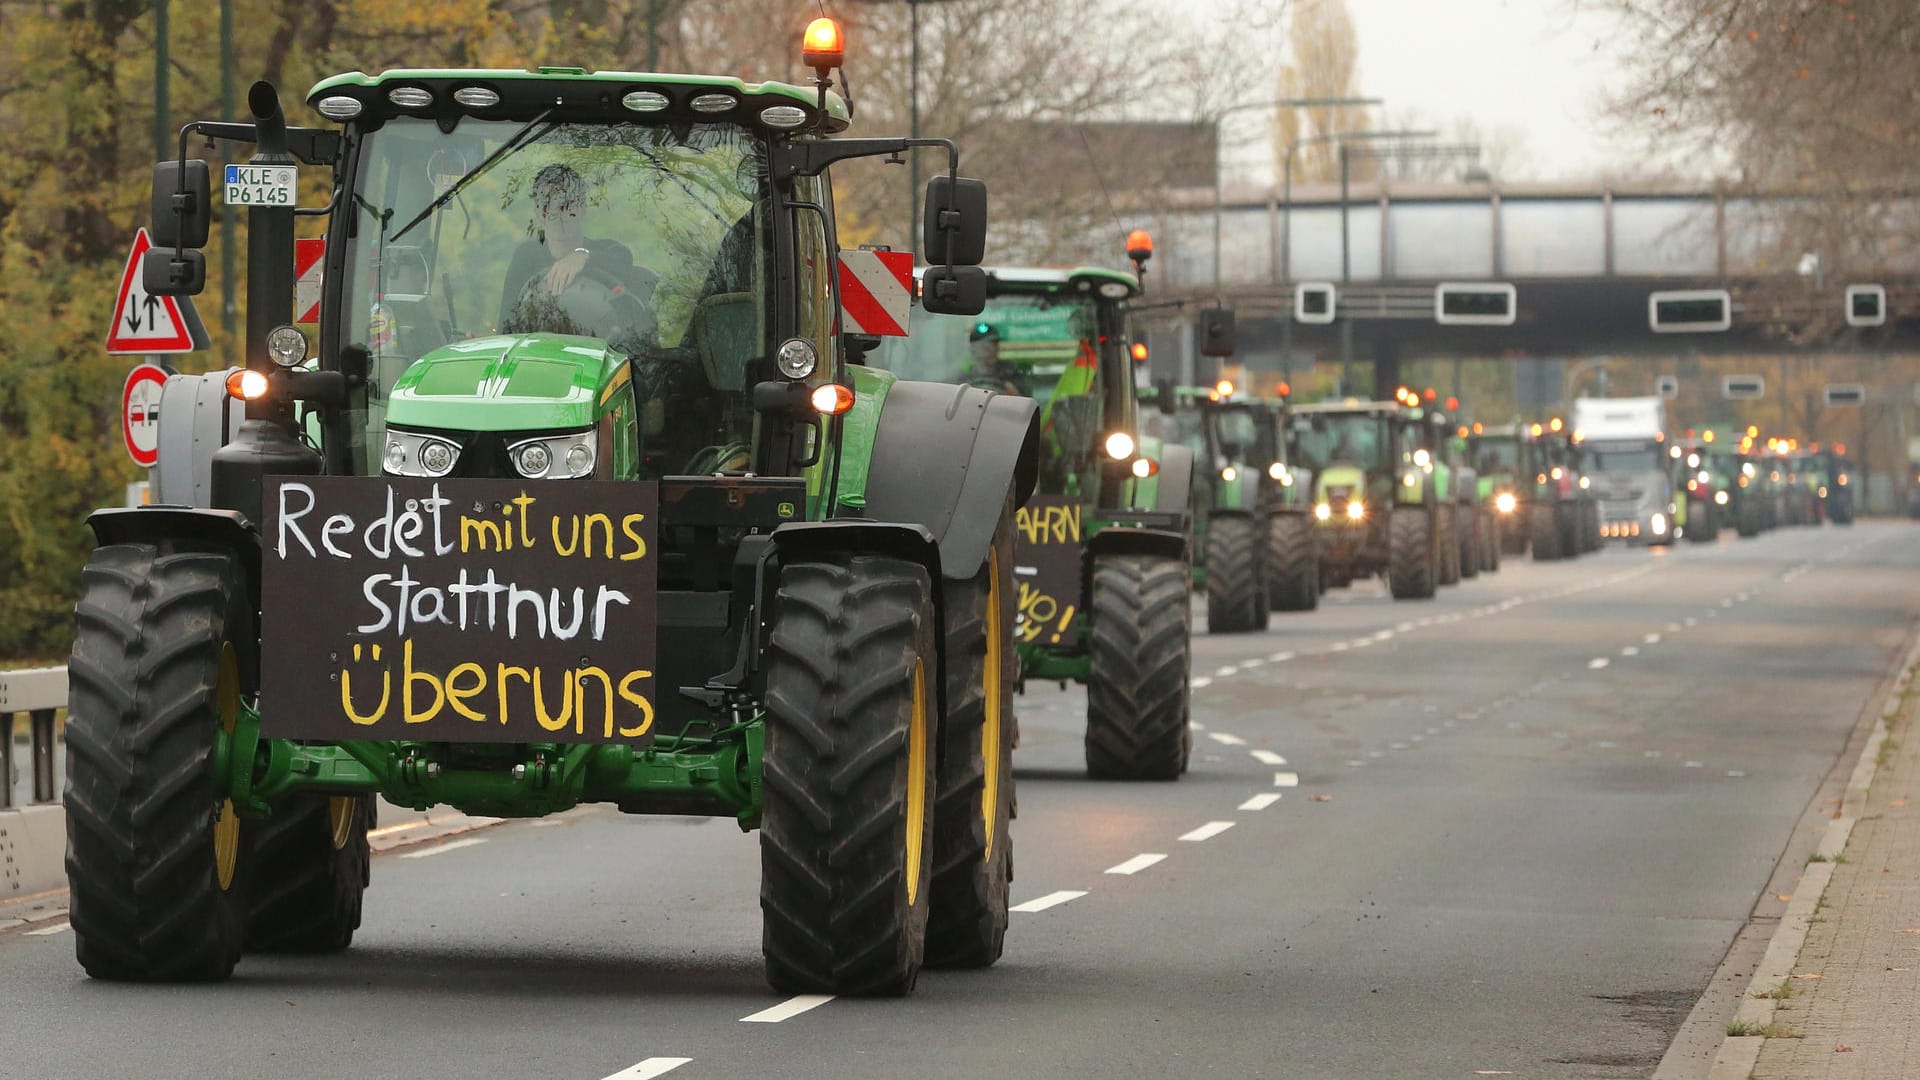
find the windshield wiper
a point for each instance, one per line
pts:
(514, 142)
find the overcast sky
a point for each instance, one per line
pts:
(1537, 67)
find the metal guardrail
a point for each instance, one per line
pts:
(38, 693)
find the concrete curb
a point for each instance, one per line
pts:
(1739, 1054)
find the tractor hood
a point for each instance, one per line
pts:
(1340, 475)
(511, 382)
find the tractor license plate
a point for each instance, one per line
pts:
(261, 185)
(1046, 568)
(459, 610)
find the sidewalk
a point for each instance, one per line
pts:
(1851, 1007)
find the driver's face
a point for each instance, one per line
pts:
(562, 220)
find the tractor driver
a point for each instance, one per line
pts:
(558, 255)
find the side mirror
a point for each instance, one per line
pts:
(857, 346)
(162, 273)
(957, 290)
(1164, 396)
(1216, 331)
(181, 218)
(954, 229)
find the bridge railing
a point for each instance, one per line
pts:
(36, 694)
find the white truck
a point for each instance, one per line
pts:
(1622, 445)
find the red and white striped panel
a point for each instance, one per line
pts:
(876, 292)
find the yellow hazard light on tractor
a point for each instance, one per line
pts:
(831, 399)
(1139, 351)
(823, 46)
(1535, 430)
(247, 384)
(1224, 388)
(1139, 245)
(1707, 435)
(1555, 424)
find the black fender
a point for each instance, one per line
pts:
(196, 528)
(945, 458)
(1131, 540)
(1176, 478)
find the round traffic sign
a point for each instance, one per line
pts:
(140, 414)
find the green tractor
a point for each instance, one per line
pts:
(1104, 548)
(1700, 487)
(1459, 489)
(1837, 496)
(1377, 506)
(1564, 516)
(1252, 533)
(593, 509)
(1505, 458)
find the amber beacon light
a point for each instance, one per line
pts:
(823, 47)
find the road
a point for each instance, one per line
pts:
(1516, 830)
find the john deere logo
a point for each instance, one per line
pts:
(785, 510)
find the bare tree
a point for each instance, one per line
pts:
(1323, 61)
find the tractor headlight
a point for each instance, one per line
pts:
(1410, 478)
(554, 457)
(796, 358)
(287, 346)
(1145, 467)
(1823, 491)
(1356, 510)
(1119, 446)
(1747, 469)
(1705, 476)
(1720, 498)
(1279, 472)
(1229, 474)
(1558, 472)
(1659, 524)
(1505, 502)
(1843, 479)
(1422, 458)
(1585, 483)
(1323, 511)
(411, 454)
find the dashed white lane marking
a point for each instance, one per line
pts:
(1248, 665)
(1225, 671)
(442, 849)
(1206, 832)
(1200, 683)
(1268, 757)
(63, 926)
(1404, 627)
(1397, 746)
(1362, 643)
(1598, 662)
(1673, 628)
(1651, 639)
(1383, 635)
(1338, 646)
(649, 1069)
(1286, 779)
(1735, 773)
(791, 1007)
(1261, 801)
(1196, 725)
(1723, 603)
(1630, 651)
(1691, 621)
(1696, 764)
(1225, 739)
(1281, 657)
(1136, 864)
(1052, 899)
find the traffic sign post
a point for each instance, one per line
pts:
(140, 414)
(145, 323)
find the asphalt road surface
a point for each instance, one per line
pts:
(1510, 831)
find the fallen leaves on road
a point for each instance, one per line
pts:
(1323, 798)
(1842, 1048)
(1808, 975)
(1783, 897)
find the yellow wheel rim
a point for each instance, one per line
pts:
(990, 722)
(916, 779)
(341, 811)
(226, 828)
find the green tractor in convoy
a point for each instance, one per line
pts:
(1104, 548)
(1564, 515)
(1253, 535)
(1377, 495)
(1505, 459)
(597, 511)
(1700, 487)
(1837, 495)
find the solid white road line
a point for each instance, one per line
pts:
(1042, 903)
(1598, 662)
(1268, 757)
(1286, 779)
(1225, 671)
(1135, 864)
(442, 849)
(787, 1009)
(1260, 802)
(1281, 657)
(1225, 739)
(1207, 832)
(1338, 646)
(649, 1069)
(57, 928)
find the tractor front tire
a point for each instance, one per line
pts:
(1447, 540)
(846, 833)
(155, 856)
(1545, 525)
(1236, 589)
(310, 868)
(1293, 567)
(1412, 569)
(1137, 681)
(1468, 523)
(973, 790)
(1490, 542)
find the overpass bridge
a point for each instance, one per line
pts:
(1583, 260)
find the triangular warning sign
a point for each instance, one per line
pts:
(144, 323)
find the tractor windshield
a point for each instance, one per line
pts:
(1350, 439)
(1182, 428)
(1495, 456)
(631, 234)
(1240, 436)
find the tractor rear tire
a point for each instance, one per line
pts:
(1447, 540)
(1293, 567)
(1546, 534)
(1236, 589)
(155, 858)
(1412, 562)
(1468, 523)
(973, 791)
(1137, 681)
(1490, 542)
(1703, 525)
(1747, 521)
(846, 834)
(311, 865)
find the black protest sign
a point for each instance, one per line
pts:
(1046, 564)
(458, 610)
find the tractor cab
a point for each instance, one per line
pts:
(1376, 507)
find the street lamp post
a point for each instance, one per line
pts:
(913, 115)
(1283, 103)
